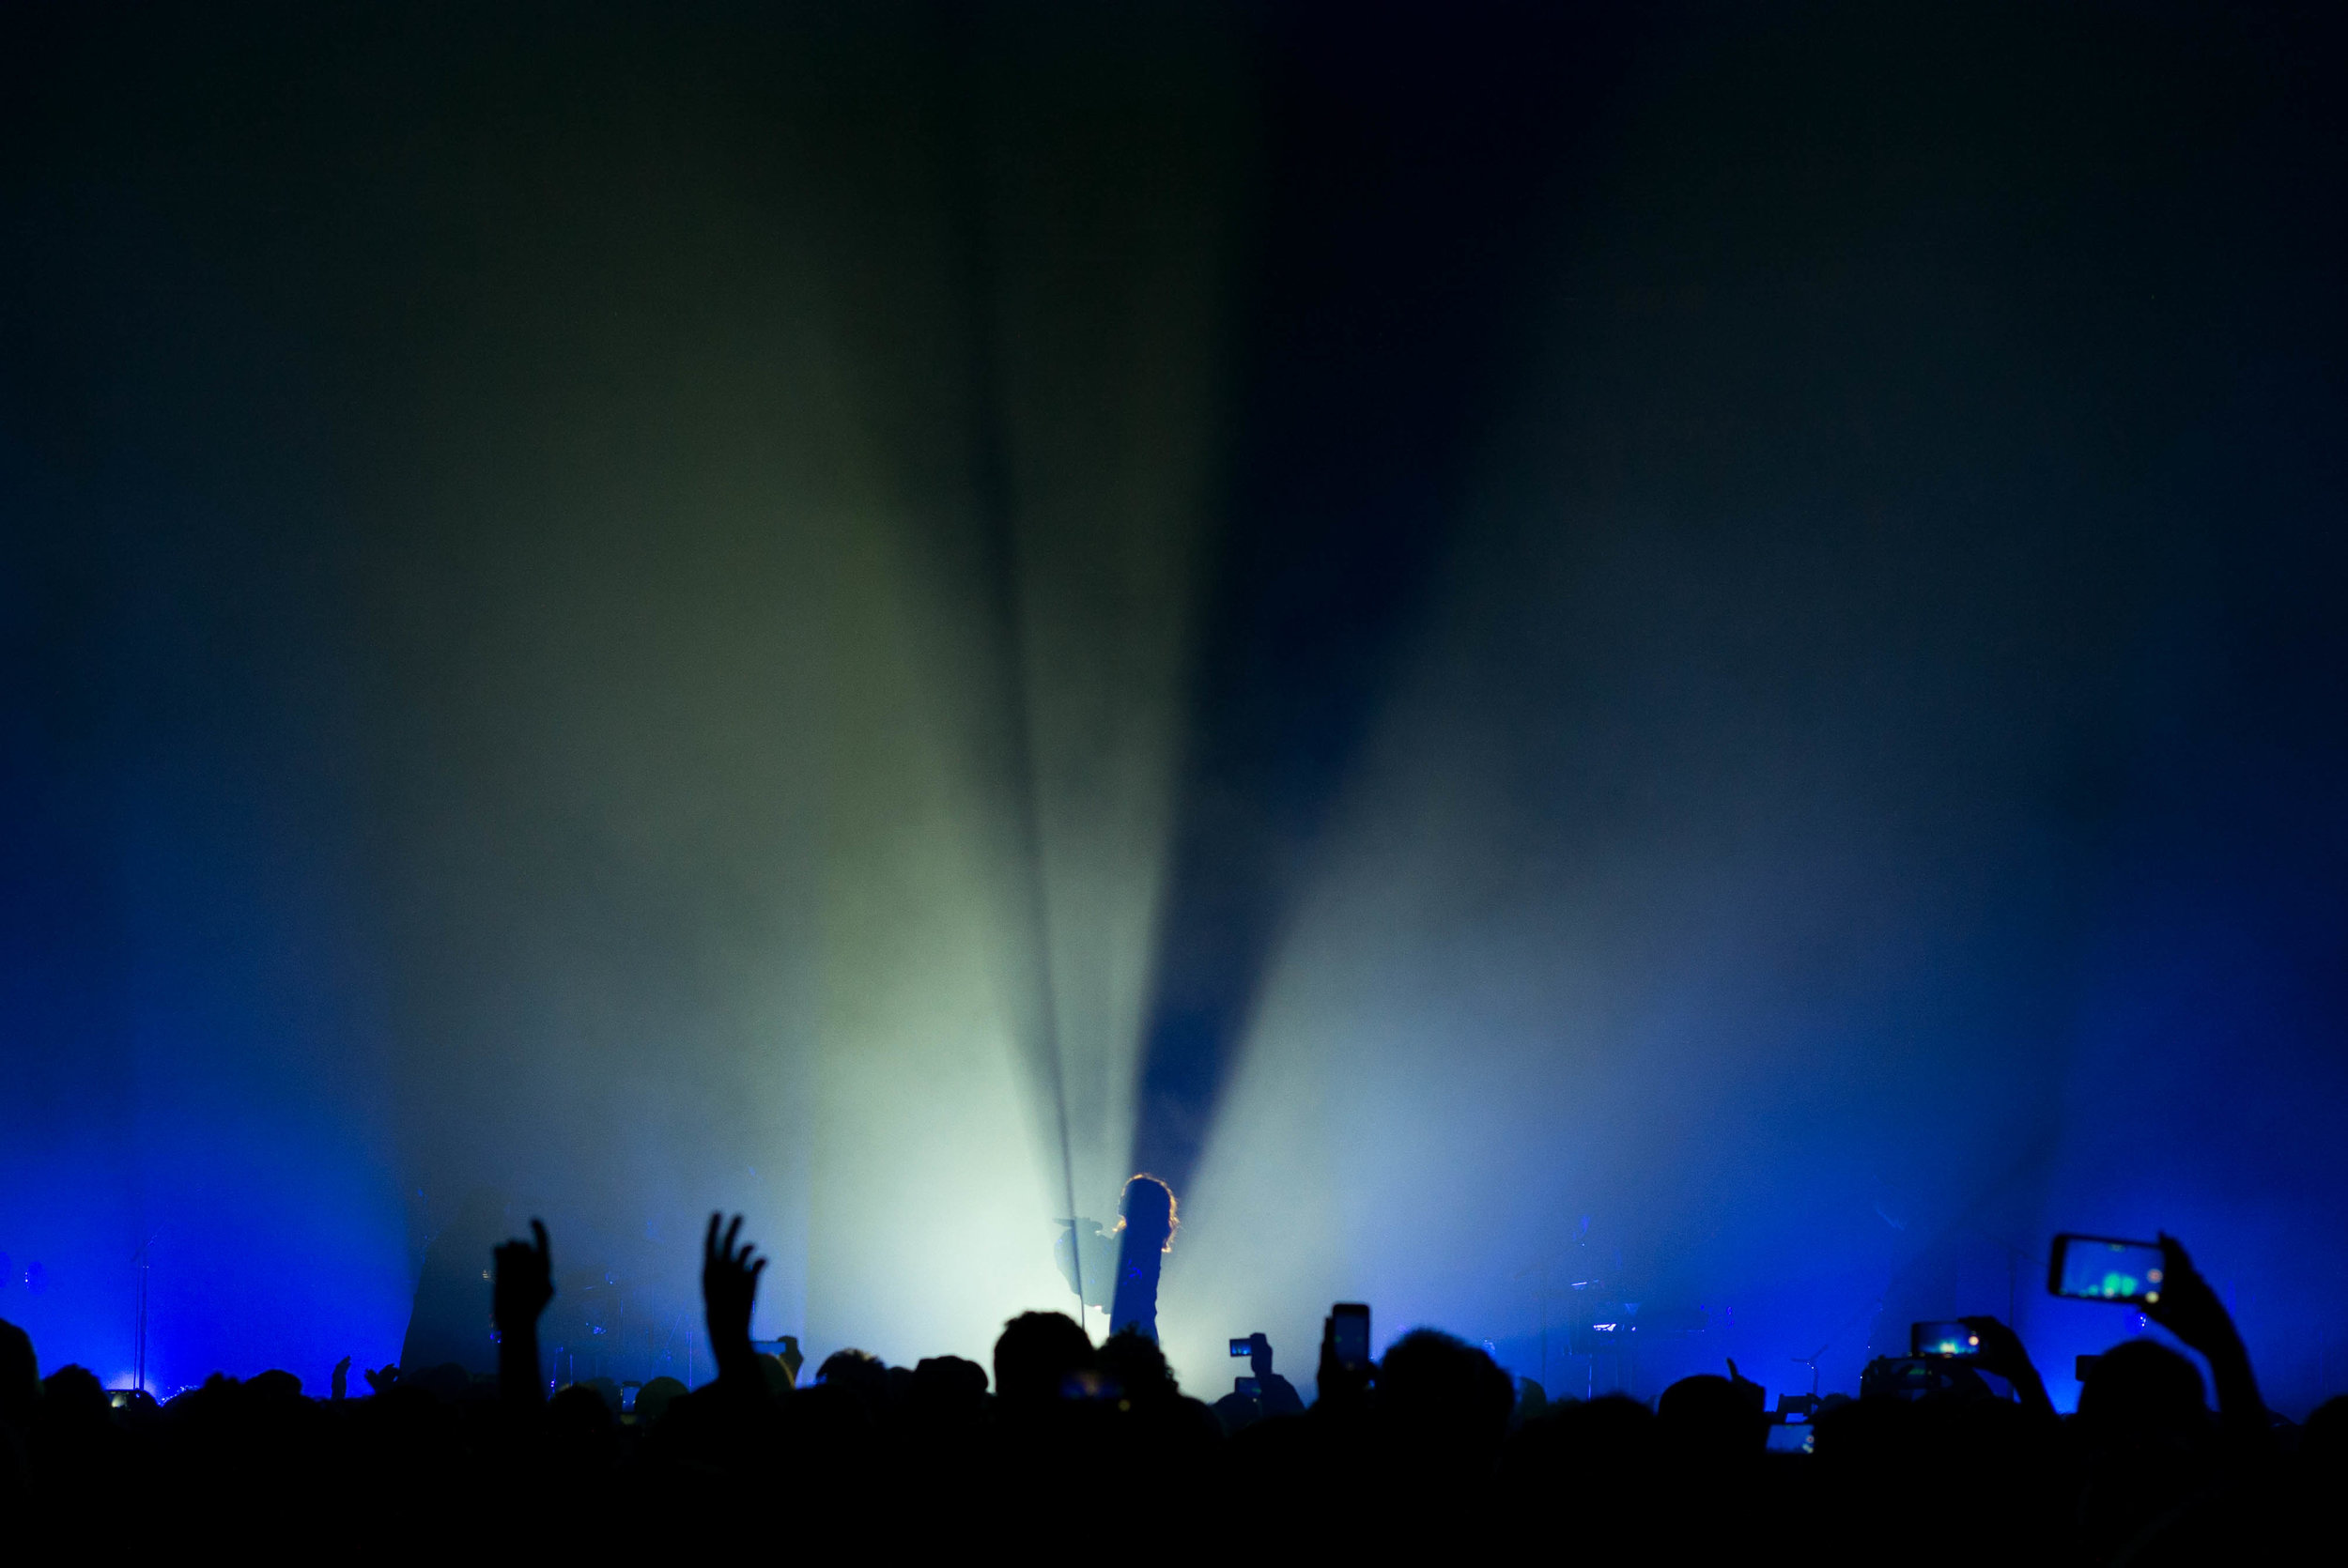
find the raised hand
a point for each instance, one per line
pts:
(2190, 1309)
(341, 1381)
(525, 1283)
(381, 1379)
(2002, 1352)
(729, 1293)
(1749, 1391)
(524, 1286)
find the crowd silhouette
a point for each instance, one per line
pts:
(1093, 1449)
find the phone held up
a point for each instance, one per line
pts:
(2099, 1269)
(1943, 1339)
(1241, 1347)
(1348, 1334)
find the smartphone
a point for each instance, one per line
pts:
(1348, 1334)
(1241, 1347)
(1248, 1388)
(1793, 1436)
(1943, 1339)
(2098, 1269)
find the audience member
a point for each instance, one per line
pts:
(1432, 1449)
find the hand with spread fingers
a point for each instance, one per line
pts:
(730, 1272)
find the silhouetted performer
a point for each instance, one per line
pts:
(1146, 1233)
(450, 1320)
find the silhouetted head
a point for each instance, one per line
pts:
(1149, 1210)
(1574, 1441)
(1237, 1412)
(273, 1386)
(2324, 1438)
(579, 1409)
(776, 1371)
(447, 1382)
(1138, 1367)
(859, 1371)
(2143, 1389)
(72, 1396)
(20, 1376)
(1707, 1417)
(653, 1397)
(1445, 1395)
(949, 1387)
(1036, 1354)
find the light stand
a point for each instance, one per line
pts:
(138, 1378)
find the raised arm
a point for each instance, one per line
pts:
(2190, 1309)
(2001, 1352)
(1344, 1391)
(728, 1292)
(524, 1286)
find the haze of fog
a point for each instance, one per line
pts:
(651, 617)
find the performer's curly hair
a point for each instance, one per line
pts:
(1156, 1204)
